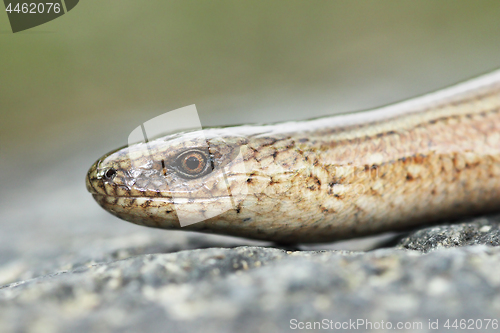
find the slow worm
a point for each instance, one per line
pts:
(421, 161)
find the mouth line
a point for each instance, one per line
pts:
(160, 198)
(130, 197)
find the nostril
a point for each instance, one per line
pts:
(110, 174)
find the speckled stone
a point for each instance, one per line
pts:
(484, 230)
(141, 284)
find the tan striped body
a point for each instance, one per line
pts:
(426, 160)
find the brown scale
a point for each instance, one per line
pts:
(436, 158)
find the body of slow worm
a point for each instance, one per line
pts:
(420, 161)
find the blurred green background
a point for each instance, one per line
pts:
(72, 89)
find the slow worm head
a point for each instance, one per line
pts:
(420, 161)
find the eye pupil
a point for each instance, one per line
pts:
(192, 162)
(110, 173)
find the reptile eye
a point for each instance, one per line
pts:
(110, 174)
(192, 164)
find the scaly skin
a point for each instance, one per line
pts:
(421, 161)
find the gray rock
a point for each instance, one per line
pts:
(156, 282)
(484, 230)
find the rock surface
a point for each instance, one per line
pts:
(145, 283)
(484, 231)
